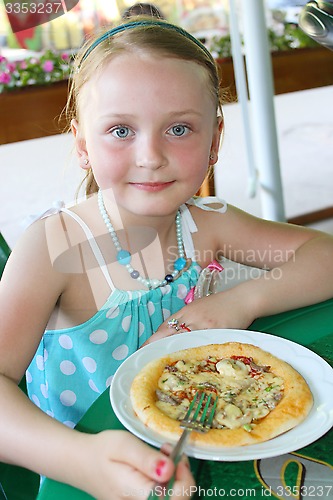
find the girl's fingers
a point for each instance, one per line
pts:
(150, 462)
(162, 332)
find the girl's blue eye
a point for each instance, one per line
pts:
(179, 130)
(121, 132)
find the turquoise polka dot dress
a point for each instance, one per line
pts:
(73, 366)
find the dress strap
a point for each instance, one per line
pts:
(188, 224)
(188, 227)
(91, 240)
(206, 202)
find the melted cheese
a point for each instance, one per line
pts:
(246, 392)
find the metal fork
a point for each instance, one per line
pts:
(198, 418)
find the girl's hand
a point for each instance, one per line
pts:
(121, 466)
(227, 309)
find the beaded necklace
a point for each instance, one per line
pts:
(124, 257)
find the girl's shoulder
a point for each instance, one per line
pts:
(69, 218)
(49, 236)
(31, 266)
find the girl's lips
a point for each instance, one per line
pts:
(151, 186)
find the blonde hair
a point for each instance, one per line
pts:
(137, 35)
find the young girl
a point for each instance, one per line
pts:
(88, 286)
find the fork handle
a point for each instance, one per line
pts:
(175, 456)
(177, 451)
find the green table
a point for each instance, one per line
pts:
(309, 470)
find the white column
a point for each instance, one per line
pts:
(242, 94)
(261, 90)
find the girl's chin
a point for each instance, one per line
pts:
(152, 203)
(151, 208)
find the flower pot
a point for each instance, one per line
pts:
(293, 70)
(32, 112)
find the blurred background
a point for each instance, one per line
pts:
(208, 20)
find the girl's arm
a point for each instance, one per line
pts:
(111, 465)
(299, 264)
(104, 464)
(299, 261)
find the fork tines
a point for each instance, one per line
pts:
(199, 416)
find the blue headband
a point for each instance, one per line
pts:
(135, 24)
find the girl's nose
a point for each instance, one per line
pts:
(150, 153)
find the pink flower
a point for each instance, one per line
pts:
(11, 67)
(64, 57)
(23, 65)
(5, 78)
(48, 66)
(2, 59)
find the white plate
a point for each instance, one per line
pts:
(317, 373)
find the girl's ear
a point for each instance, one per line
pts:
(218, 133)
(80, 145)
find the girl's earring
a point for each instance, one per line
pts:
(85, 163)
(211, 156)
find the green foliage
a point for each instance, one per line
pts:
(221, 47)
(48, 68)
(292, 38)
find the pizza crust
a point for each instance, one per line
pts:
(291, 410)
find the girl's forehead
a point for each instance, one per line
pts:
(137, 75)
(139, 62)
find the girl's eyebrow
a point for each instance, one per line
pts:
(185, 112)
(117, 115)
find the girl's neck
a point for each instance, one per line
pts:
(154, 243)
(121, 218)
